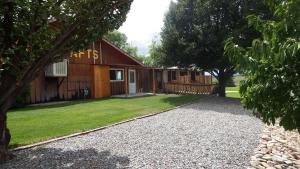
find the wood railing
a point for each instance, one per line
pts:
(191, 88)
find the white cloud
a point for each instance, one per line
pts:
(144, 22)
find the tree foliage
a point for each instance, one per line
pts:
(36, 33)
(157, 55)
(195, 30)
(117, 38)
(271, 65)
(120, 40)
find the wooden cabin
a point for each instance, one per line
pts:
(103, 70)
(100, 71)
(183, 81)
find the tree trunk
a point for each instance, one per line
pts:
(9, 92)
(222, 85)
(5, 155)
(223, 78)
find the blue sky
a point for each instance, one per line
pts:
(144, 22)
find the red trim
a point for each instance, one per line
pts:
(123, 52)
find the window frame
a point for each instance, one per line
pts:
(116, 69)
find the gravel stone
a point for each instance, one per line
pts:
(212, 133)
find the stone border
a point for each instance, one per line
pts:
(278, 149)
(98, 129)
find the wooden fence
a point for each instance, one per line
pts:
(191, 88)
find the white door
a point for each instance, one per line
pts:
(132, 81)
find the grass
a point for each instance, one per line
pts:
(233, 92)
(237, 88)
(34, 124)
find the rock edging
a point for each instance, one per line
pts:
(278, 149)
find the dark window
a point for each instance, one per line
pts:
(173, 75)
(158, 76)
(116, 75)
(169, 76)
(131, 77)
(193, 76)
(197, 73)
(183, 73)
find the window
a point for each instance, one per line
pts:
(173, 75)
(116, 75)
(183, 73)
(158, 76)
(131, 77)
(193, 76)
(169, 76)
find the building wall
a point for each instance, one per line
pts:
(88, 70)
(185, 77)
(100, 81)
(112, 56)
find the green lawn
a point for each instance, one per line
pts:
(233, 92)
(33, 124)
(237, 88)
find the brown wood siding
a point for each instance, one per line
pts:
(107, 55)
(79, 78)
(117, 88)
(112, 56)
(100, 82)
(42, 89)
(200, 78)
(145, 80)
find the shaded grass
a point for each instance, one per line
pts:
(34, 124)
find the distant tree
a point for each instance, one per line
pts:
(120, 40)
(195, 30)
(117, 38)
(148, 61)
(36, 33)
(271, 65)
(132, 50)
(157, 54)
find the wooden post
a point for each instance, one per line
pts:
(126, 81)
(153, 81)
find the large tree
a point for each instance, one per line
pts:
(271, 65)
(36, 33)
(195, 30)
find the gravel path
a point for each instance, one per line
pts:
(213, 133)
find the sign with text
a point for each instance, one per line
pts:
(90, 54)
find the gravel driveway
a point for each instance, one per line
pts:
(213, 133)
